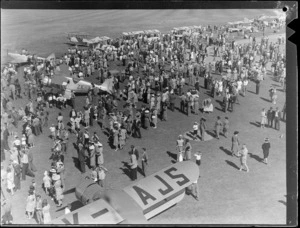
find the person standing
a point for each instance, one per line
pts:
(30, 205)
(195, 189)
(225, 127)
(243, 153)
(195, 130)
(101, 175)
(235, 143)
(218, 127)
(257, 86)
(277, 117)
(145, 162)
(266, 149)
(188, 150)
(202, 127)
(270, 116)
(263, 118)
(179, 146)
(198, 156)
(10, 180)
(46, 212)
(284, 111)
(38, 209)
(133, 166)
(17, 175)
(25, 164)
(81, 157)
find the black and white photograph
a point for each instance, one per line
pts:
(146, 116)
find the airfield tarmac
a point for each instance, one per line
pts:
(227, 196)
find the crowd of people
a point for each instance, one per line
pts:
(158, 74)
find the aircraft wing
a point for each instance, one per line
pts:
(97, 212)
(136, 203)
(17, 58)
(163, 189)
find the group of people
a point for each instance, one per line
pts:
(171, 70)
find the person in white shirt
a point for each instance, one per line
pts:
(68, 209)
(195, 130)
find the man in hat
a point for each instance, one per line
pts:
(266, 149)
(235, 143)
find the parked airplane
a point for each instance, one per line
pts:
(21, 58)
(136, 203)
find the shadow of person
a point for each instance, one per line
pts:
(228, 152)
(172, 155)
(256, 124)
(232, 164)
(281, 201)
(254, 156)
(126, 169)
(76, 163)
(265, 99)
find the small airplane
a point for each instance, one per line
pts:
(234, 29)
(78, 39)
(82, 86)
(136, 203)
(21, 58)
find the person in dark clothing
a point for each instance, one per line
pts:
(257, 87)
(172, 101)
(81, 157)
(270, 117)
(266, 149)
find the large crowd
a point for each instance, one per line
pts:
(157, 73)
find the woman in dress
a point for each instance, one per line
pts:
(30, 205)
(47, 182)
(58, 192)
(202, 127)
(116, 138)
(10, 180)
(180, 144)
(266, 149)
(274, 97)
(154, 118)
(46, 211)
(122, 137)
(263, 118)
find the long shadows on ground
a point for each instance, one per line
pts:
(232, 164)
(126, 169)
(251, 91)
(173, 156)
(256, 124)
(254, 156)
(265, 99)
(228, 152)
